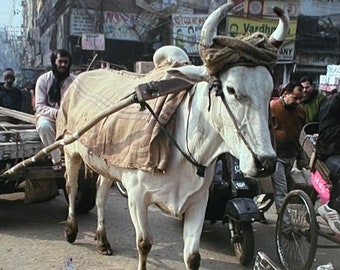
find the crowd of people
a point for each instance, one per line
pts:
(296, 104)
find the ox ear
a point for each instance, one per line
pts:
(190, 73)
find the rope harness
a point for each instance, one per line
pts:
(214, 85)
(225, 53)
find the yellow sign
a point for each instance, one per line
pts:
(243, 26)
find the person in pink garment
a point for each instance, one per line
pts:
(50, 88)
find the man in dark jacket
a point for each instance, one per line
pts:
(288, 119)
(10, 95)
(328, 150)
(312, 99)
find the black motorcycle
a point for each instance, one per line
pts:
(231, 201)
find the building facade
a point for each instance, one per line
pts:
(121, 32)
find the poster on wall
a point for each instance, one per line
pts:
(186, 31)
(121, 26)
(81, 22)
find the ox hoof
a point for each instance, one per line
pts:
(105, 249)
(71, 230)
(103, 245)
(194, 261)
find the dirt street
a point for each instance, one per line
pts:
(32, 238)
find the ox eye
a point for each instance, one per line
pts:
(231, 90)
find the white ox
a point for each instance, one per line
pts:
(200, 133)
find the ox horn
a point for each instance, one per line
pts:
(211, 23)
(281, 31)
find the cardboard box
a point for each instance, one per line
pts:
(144, 66)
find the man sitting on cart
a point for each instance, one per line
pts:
(50, 88)
(328, 150)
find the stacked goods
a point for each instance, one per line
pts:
(331, 81)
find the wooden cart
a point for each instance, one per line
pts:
(19, 140)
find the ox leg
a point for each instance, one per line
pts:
(192, 230)
(103, 188)
(139, 217)
(72, 164)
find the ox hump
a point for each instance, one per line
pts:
(170, 55)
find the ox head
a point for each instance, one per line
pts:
(246, 85)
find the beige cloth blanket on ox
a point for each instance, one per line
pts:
(129, 138)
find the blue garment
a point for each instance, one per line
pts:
(11, 98)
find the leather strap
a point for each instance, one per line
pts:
(154, 89)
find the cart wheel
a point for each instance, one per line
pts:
(296, 232)
(86, 195)
(243, 242)
(121, 189)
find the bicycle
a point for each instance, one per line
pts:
(298, 226)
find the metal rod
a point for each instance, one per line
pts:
(93, 59)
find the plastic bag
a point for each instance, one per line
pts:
(321, 186)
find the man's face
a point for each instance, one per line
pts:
(292, 99)
(9, 81)
(307, 88)
(62, 63)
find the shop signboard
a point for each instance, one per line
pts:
(287, 51)
(245, 26)
(94, 42)
(317, 60)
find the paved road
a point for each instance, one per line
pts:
(32, 237)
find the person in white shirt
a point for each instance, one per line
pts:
(50, 88)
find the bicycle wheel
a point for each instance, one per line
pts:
(296, 232)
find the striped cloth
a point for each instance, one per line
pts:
(129, 138)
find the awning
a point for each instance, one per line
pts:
(310, 69)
